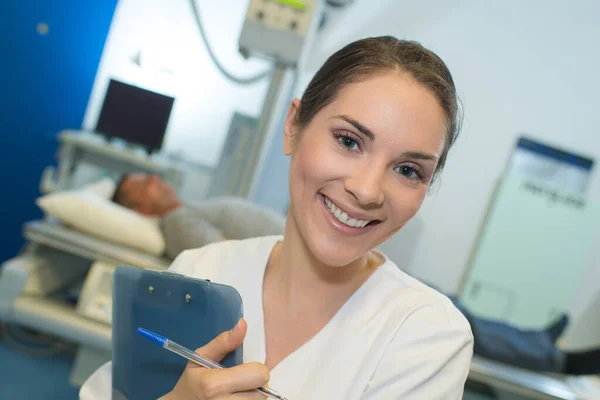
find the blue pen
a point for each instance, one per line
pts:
(195, 357)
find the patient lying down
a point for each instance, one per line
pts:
(187, 226)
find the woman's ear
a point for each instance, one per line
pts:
(290, 129)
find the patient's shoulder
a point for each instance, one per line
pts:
(220, 258)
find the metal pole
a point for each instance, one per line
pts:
(246, 176)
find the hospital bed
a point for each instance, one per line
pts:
(508, 382)
(55, 235)
(520, 383)
(55, 258)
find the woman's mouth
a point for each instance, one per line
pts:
(343, 216)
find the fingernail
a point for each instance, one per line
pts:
(237, 326)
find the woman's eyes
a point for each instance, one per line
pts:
(408, 172)
(347, 141)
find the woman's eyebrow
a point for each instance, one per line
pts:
(363, 129)
(417, 155)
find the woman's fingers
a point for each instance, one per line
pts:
(225, 343)
(241, 378)
(247, 376)
(253, 395)
(239, 381)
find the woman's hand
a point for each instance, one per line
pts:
(238, 382)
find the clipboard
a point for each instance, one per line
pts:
(187, 310)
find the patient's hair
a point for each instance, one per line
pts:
(364, 58)
(118, 196)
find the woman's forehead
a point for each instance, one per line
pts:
(393, 106)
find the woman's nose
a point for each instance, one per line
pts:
(366, 184)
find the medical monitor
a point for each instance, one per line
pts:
(136, 115)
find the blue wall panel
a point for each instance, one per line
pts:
(45, 83)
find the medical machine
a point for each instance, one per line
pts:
(84, 157)
(135, 115)
(279, 30)
(282, 31)
(234, 155)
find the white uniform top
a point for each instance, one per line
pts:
(395, 338)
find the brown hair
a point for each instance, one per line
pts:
(366, 57)
(118, 195)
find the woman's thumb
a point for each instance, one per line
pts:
(225, 343)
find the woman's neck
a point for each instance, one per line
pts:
(303, 281)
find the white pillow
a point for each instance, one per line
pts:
(105, 219)
(104, 188)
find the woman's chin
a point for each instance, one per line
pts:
(338, 262)
(335, 256)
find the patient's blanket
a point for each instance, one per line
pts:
(195, 225)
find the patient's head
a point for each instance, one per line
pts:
(146, 194)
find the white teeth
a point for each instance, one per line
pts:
(343, 217)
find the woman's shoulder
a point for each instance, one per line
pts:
(226, 253)
(428, 343)
(416, 300)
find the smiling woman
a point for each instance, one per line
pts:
(327, 316)
(371, 153)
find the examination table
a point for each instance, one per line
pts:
(55, 258)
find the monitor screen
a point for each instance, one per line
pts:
(135, 115)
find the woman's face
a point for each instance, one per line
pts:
(361, 168)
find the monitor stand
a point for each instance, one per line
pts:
(110, 154)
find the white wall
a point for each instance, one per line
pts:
(164, 33)
(520, 67)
